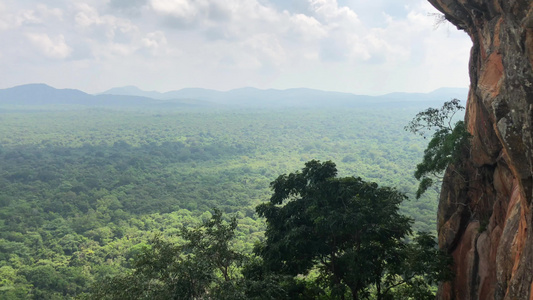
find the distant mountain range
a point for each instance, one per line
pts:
(131, 97)
(43, 95)
(297, 96)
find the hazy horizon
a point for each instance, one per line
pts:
(136, 88)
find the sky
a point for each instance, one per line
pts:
(368, 47)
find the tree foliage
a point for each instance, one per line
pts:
(447, 142)
(347, 229)
(327, 238)
(203, 267)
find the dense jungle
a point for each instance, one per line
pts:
(84, 191)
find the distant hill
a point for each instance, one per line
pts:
(133, 91)
(44, 95)
(133, 97)
(41, 94)
(291, 97)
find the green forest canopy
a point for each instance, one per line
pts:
(82, 191)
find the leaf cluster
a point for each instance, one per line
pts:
(200, 268)
(435, 119)
(446, 144)
(349, 230)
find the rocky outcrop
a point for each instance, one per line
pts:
(485, 211)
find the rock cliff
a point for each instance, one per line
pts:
(485, 211)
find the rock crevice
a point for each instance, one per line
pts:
(485, 208)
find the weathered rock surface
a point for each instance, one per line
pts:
(485, 209)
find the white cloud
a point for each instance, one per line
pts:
(9, 19)
(357, 46)
(40, 15)
(328, 11)
(266, 48)
(154, 39)
(105, 36)
(46, 13)
(131, 7)
(87, 16)
(306, 27)
(184, 10)
(27, 17)
(155, 42)
(4, 16)
(56, 48)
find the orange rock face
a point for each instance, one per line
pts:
(485, 211)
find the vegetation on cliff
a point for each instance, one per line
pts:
(446, 144)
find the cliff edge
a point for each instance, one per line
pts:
(485, 210)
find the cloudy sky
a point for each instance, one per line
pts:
(359, 46)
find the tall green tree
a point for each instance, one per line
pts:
(204, 267)
(347, 229)
(447, 142)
